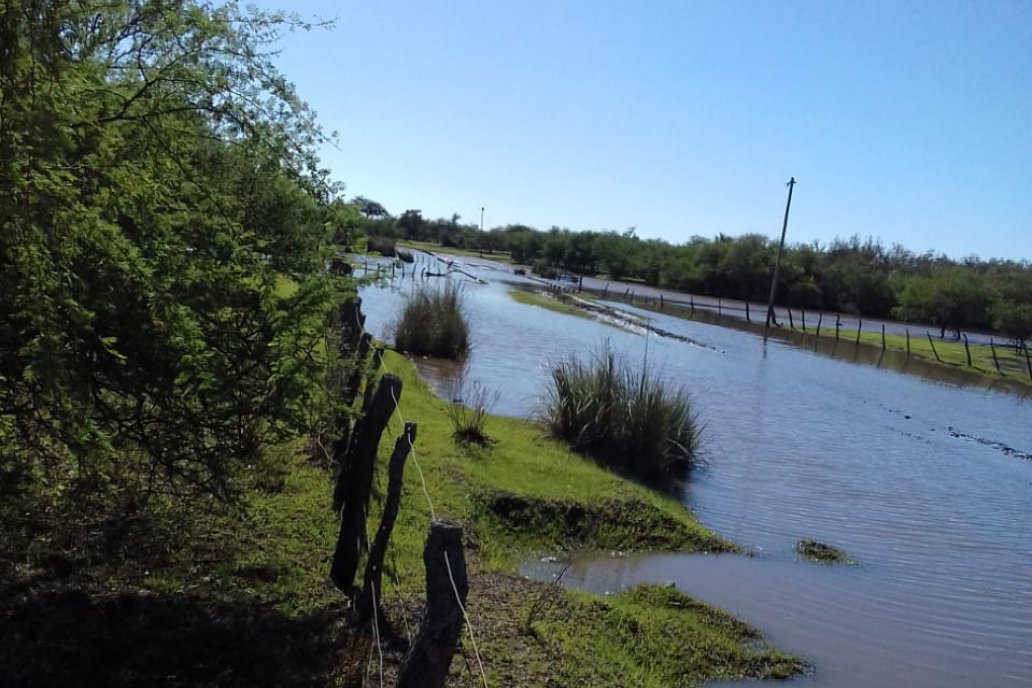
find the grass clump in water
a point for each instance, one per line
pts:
(623, 418)
(434, 323)
(820, 553)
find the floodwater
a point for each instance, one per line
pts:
(927, 484)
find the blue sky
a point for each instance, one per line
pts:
(908, 121)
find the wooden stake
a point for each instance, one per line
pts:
(859, 324)
(967, 350)
(368, 603)
(883, 336)
(427, 661)
(933, 347)
(803, 316)
(996, 361)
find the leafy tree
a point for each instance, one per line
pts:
(1013, 320)
(411, 224)
(159, 187)
(950, 299)
(369, 208)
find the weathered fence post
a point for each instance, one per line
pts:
(355, 480)
(929, 334)
(1028, 360)
(908, 341)
(883, 336)
(996, 361)
(791, 321)
(747, 318)
(967, 350)
(838, 325)
(820, 319)
(691, 302)
(368, 603)
(661, 304)
(605, 291)
(802, 315)
(859, 324)
(428, 659)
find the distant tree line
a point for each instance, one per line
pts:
(859, 276)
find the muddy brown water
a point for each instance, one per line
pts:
(927, 483)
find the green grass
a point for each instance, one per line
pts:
(952, 353)
(210, 595)
(497, 256)
(559, 304)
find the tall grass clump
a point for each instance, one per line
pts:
(434, 323)
(622, 417)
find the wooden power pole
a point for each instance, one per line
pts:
(777, 260)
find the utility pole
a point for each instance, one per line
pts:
(777, 260)
(481, 231)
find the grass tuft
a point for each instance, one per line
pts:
(434, 323)
(623, 418)
(820, 553)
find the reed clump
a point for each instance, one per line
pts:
(434, 323)
(623, 417)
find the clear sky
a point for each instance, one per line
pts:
(909, 121)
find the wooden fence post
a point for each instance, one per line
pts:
(820, 318)
(355, 480)
(967, 350)
(691, 302)
(747, 318)
(908, 341)
(802, 314)
(933, 347)
(859, 324)
(883, 336)
(428, 659)
(368, 603)
(996, 361)
(791, 322)
(838, 326)
(1028, 360)
(661, 304)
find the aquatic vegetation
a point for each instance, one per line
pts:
(820, 553)
(434, 323)
(622, 417)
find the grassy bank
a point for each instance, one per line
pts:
(533, 298)
(497, 256)
(240, 596)
(952, 353)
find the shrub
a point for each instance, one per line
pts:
(386, 246)
(623, 418)
(434, 323)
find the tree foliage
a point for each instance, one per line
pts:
(159, 187)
